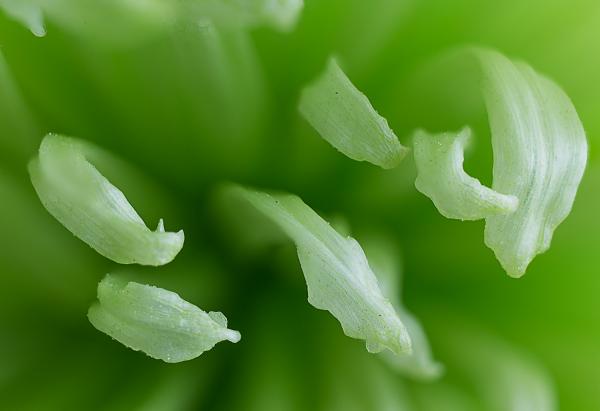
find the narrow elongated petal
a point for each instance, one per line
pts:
(442, 178)
(134, 20)
(385, 263)
(97, 212)
(344, 117)
(540, 153)
(156, 321)
(282, 14)
(337, 273)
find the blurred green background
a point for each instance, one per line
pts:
(189, 106)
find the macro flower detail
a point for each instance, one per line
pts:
(89, 206)
(156, 321)
(344, 117)
(401, 144)
(337, 273)
(439, 160)
(540, 154)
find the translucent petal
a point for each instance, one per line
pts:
(540, 153)
(337, 273)
(97, 212)
(344, 117)
(156, 321)
(441, 177)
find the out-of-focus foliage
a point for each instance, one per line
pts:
(191, 105)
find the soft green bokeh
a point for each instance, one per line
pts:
(191, 106)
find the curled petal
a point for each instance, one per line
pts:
(540, 154)
(441, 177)
(97, 212)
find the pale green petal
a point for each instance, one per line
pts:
(156, 321)
(540, 153)
(278, 14)
(385, 262)
(344, 117)
(116, 22)
(27, 12)
(123, 22)
(337, 273)
(97, 212)
(96, 17)
(442, 178)
(282, 14)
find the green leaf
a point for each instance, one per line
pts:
(344, 117)
(156, 321)
(337, 273)
(89, 206)
(441, 177)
